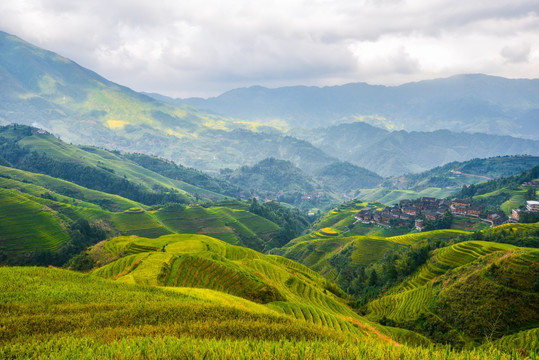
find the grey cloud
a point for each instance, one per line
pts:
(213, 45)
(516, 53)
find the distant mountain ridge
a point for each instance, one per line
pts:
(391, 153)
(470, 103)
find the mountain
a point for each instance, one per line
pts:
(46, 90)
(391, 153)
(280, 180)
(471, 103)
(344, 178)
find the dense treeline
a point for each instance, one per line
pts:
(442, 176)
(182, 173)
(365, 282)
(511, 182)
(528, 238)
(96, 178)
(292, 222)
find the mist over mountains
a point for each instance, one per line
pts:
(470, 103)
(303, 125)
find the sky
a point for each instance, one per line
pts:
(185, 48)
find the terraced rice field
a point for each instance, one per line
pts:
(197, 220)
(370, 249)
(314, 316)
(65, 188)
(27, 225)
(410, 239)
(199, 261)
(527, 339)
(408, 300)
(139, 223)
(403, 306)
(326, 232)
(466, 252)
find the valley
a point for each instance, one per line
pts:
(307, 223)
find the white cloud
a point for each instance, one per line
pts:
(205, 47)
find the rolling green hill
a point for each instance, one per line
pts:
(446, 180)
(507, 192)
(41, 215)
(31, 149)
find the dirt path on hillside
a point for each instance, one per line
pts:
(386, 338)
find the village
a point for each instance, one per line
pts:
(417, 212)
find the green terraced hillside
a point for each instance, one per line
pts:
(56, 313)
(28, 225)
(39, 213)
(33, 150)
(469, 291)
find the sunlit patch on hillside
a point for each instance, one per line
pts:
(176, 133)
(116, 124)
(215, 124)
(377, 120)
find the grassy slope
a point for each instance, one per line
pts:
(95, 157)
(24, 219)
(198, 261)
(517, 198)
(52, 313)
(57, 203)
(65, 191)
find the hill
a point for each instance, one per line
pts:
(411, 280)
(447, 180)
(34, 150)
(471, 103)
(281, 181)
(472, 290)
(344, 179)
(455, 174)
(392, 153)
(66, 314)
(46, 90)
(507, 193)
(71, 217)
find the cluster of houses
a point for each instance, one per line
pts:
(415, 212)
(531, 206)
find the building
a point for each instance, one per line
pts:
(475, 210)
(515, 214)
(532, 205)
(431, 215)
(410, 210)
(419, 225)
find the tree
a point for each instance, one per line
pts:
(373, 278)
(531, 194)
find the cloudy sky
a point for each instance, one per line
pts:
(187, 48)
